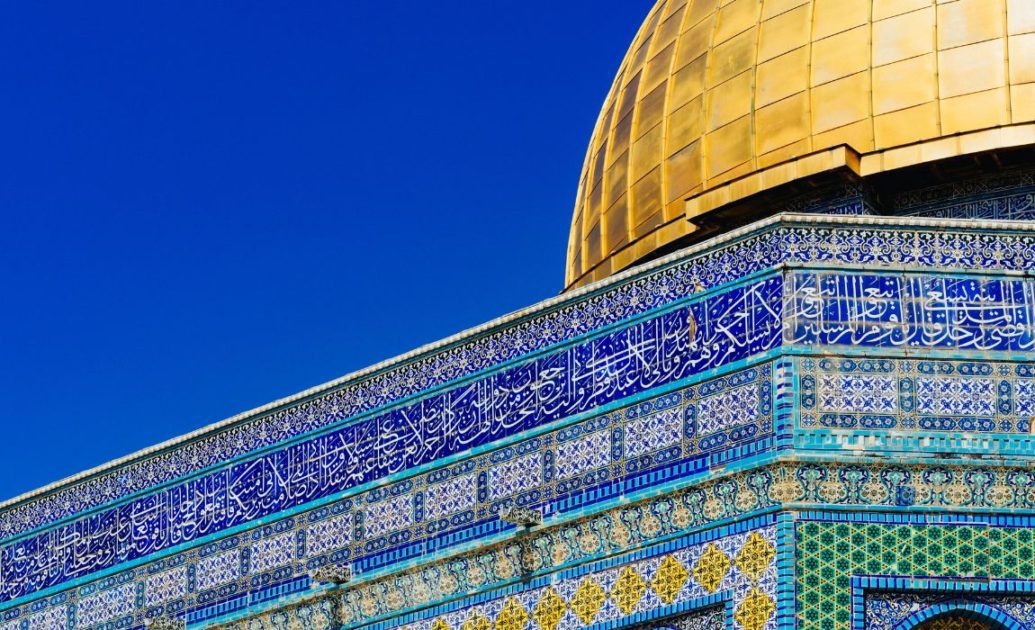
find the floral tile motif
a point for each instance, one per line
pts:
(272, 551)
(639, 587)
(889, 609)
(218, 569)
(728, 409)
(106, 605)
(654, 432)
(956, 396)
(389, 515)
(516, 476)
(166, 586)
(584, 454)
(451, 496)
(916, 395)
(1025, 397)
(329, 534)
(857, 393)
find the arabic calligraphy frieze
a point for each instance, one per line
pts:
(917, 396)
(911, 311)
(709, 333)
(842, 241)
(604, 450)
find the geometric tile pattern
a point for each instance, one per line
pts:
(450, 497)
(218, 569)
(613, 594)
(166, 586)
(389, 515)
(272, 551)
(329, 534)
(840, 240)
(654, 432)
(914, 395)
(582, 455)
(829, 553)
(106, 605)
(515, 476)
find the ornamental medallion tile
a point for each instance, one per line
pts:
(513, 616)
(711, 568)
(588, 600)
(549, 609)
(755, 556)
(476, 621)
(755, 611)
(669, 579)
(628, 590)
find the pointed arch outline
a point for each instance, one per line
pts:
(967, 608)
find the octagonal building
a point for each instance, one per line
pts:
(790, 383)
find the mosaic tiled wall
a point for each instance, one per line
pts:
(650, 442)
(845, 241)
(917, 396)
(715, 331)
(830, 553)
(668, 379)
(738, 568)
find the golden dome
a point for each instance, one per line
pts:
(719, 99)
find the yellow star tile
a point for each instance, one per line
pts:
(711, 568)
(440, 624)
(669, 579)
(476, 621)
(755, 610)
(513, 616)
(549, 609)
(755, 556)
(628, 590)
(588, 600)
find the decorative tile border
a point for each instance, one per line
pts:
(872, 241)
(706, 334)
(739, 568)
(391, 524)
(916, 396)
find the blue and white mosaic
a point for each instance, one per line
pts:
(452, 499)
(916, 395)
(845, 241)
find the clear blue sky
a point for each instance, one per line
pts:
(209, 205)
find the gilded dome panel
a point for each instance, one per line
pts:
(716, 99)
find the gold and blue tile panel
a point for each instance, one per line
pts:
(727, 566)
(962, 486)
(393, 524)
(872, 242)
